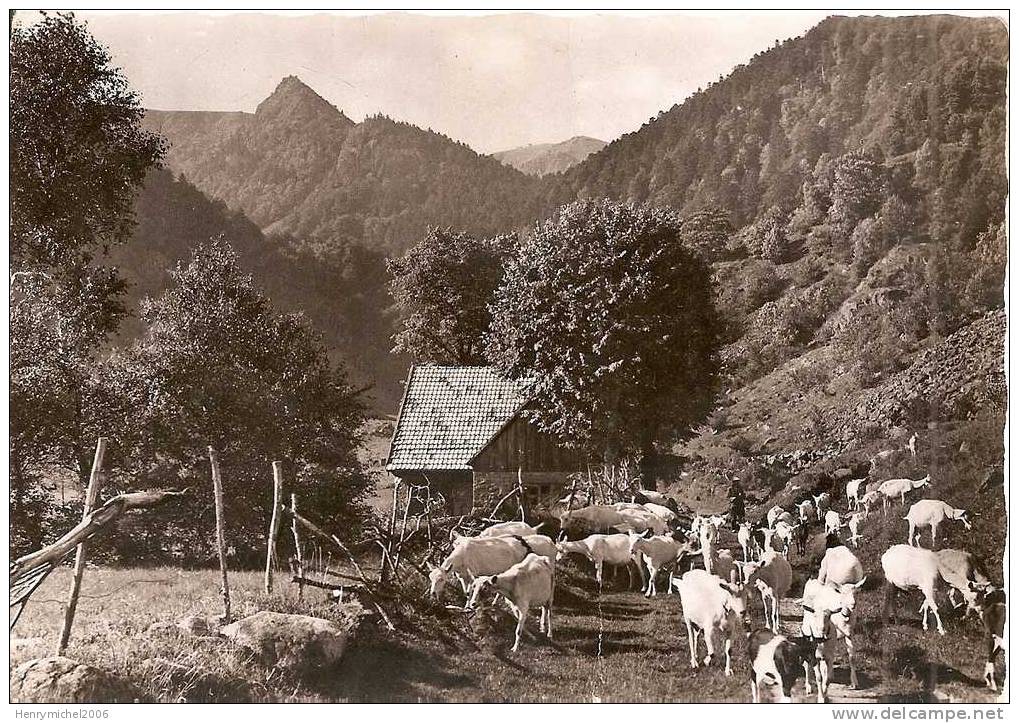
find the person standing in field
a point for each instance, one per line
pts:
(737, 504)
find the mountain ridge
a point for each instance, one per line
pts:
(541, 159)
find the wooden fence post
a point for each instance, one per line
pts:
(274, 524)
(217, 486)
(91, 497)
(386, 566)
(297, 546)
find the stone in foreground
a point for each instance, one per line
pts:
(57, 679)
(290, 642)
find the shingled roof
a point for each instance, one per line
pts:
(449, 414)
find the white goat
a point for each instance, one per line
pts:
(784, 533)
(959, 569)
(659, 552)
(806, 509)
(710, 605)
(473, 556)
(931, 513)
(854, 527)
(840, 566)
(744, 537)
(869, 498)
(900, 487)
(529, 583)
(708, 534)
(832, 522)
(660, 510)
(501, 529)
(828, 616)
(906, 567)
(823, 503)
(600, 549)
(853, 492)
(772, 576)
(773, 515)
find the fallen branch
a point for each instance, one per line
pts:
(90, 526)
(318, 531)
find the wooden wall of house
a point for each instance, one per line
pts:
(521, 445)
(456, 486)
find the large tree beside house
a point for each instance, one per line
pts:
(611, 314)
(443, 287)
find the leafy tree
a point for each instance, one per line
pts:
(78, 151)
(442, 287)
(858, 189)
(708, 232)
(218, 367)
(613, 317)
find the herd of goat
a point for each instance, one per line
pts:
(652, 537)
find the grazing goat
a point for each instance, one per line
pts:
(653, 496)
(868, 499)
(906, 567)
(726, 567)
(961, 571)
(853, 492)
(743, 536)
(501, 529)
(840, 566)
(639, 520)
(805, 509)
(710, 605)
(993, 609)
(529, 583)
(832, 522)
(661, 511)
(892, 488)
(473, 556)
(600, 549)
(773, 515)
(854, 527)
(823, 503)
(800, 536)
(829, 616)
(659, 552)
(772, 576)
(776, 660)
(931, 513)
(594, 519)
(784, 533)
(708, 534)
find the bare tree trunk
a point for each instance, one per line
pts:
(91, 497)
(274, 524)
(297, 545)
(217, 486)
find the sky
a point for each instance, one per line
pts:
(492, 81)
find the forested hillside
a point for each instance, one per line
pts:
(299, 166)
(340, 288)
(858, 172)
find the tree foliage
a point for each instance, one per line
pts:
(443, 287)
(78, 151)
(612, 316)
(217, 366)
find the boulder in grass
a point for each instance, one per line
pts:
(291, 642)
(57, 679)
(192, 625)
